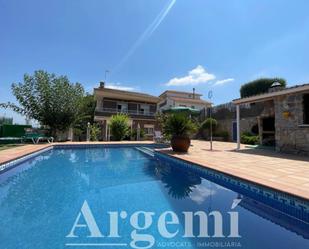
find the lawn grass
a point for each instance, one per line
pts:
(8, 146)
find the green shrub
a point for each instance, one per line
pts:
(85, 116)
(7, 130)
(119, 126)
(259, 86)
(178, 125)
(133, 134)
(224, 134)
(248, 138)
(94, 132)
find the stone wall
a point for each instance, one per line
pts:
(249, 116)
(291, 135)
(246, 125)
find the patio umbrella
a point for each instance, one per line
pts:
(182, 109)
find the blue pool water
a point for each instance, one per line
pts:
(41, 198)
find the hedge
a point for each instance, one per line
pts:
(259, 86)
(13, 130)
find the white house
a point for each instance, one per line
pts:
(169, 99)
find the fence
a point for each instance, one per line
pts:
(7, 130)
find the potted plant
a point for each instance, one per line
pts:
(179, 127)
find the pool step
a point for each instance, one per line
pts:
(146, 150)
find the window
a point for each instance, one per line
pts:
(122, 107)
(144, 109)
(149, 129)
(306, 108)
(163, 104)
(193, 107)
(183, 105)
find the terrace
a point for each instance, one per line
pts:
(136, 105)
(137, 113)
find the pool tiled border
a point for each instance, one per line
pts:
(77, 146)
(292, 205)
(277, 197)
(13, 163)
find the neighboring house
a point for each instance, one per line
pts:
(281, 115)
(169, 99)
(140, 107)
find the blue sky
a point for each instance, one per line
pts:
(155, 45)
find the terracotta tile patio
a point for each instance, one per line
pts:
(283, 172)
(16, 152)
(287, 173)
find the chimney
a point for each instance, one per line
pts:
(275, 87)
(193, 96)
(102, 84)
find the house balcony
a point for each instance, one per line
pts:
(139, 114)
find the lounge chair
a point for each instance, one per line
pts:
(158, 138)
(36, 138)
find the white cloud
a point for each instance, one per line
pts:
(196, 76)
(201, 193)
(119, 86)
(222, 82)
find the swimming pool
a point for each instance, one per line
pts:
(120, 197)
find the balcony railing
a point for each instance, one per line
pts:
(129, 112)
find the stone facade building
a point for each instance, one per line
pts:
(285, 117)
(251, 120)
(292, 124)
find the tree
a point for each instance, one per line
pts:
(206, 124)
(85, 116)
(119, 126)
(52, 100)
(259, 86)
